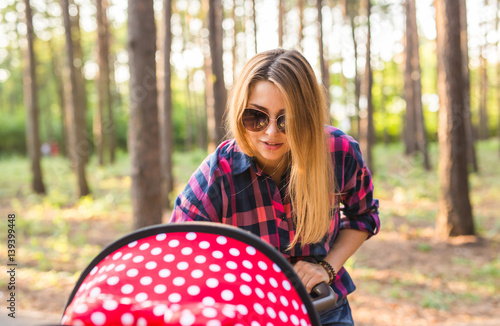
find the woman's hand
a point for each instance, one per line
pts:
(310, 274)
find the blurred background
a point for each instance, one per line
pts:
(107, 107)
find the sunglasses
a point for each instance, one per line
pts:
(256, 120)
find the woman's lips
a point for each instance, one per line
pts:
(272, 146)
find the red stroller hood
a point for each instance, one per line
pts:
(190, 274)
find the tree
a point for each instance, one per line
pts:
(301, 24)
(235, 39)
(351, 13)
(469, 139)
(78, 144)
(455, 211)
(483, 95)
(56, 69)
(483, 131)
(415, 134)
(103, 81)
(216, 51)
(325, 76)
(84, 140)
(165, 107)
(254, 17)
(144, 137)
(31, 102)
(281, 16)
(366, 129)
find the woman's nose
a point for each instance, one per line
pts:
(273, 126)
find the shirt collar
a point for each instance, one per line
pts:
(242, 162)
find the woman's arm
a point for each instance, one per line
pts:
(346, 244)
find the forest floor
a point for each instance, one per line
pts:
(404, 275)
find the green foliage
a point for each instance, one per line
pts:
(12, 133)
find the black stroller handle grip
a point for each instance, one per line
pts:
(324, 297)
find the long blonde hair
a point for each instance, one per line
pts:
(312, 181)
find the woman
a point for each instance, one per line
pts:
(287, 175)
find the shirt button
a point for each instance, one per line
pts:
(283, 216)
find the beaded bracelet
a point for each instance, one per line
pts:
(329, 269)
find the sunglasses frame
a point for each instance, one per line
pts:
(269, 119)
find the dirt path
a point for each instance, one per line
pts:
(423, 270)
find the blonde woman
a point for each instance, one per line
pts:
(288, 177)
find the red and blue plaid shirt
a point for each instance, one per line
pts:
(230, 188)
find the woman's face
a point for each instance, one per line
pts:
(270, 144)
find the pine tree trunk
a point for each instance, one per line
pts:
(216, 52)
(301, 24)
(84, 140)
(55, 68)
(103, 82)
(357, 81)
(165, 109)
(469, 138)
(420, 136)
(367, 134)
(144, 138)
(235, 39)
(114, 99)
(31, 102)
(77, 149)
(209, 103)
(280, 22)
(254, 16)
(57, 71)
(483, 97)
(455, 212)
(410, 130)
(325, 76)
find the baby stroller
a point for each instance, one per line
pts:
(193, 274)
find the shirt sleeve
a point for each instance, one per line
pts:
(201, 198)
(359, 208)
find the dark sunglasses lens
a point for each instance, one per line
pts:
(281, 123)
(255, 120)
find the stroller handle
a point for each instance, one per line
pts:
(324, 297)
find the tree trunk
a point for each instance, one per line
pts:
(301, 24)
(209, 103)
(455, 212)
(31, 102)
(114, 98)
(165, 110)
(55, 64)
(103, 82)
(216, 52)
(254, 16)
(417, 139)
(483, 96)
(469, 139)
(78, 144)
(144, 147)
(325, 76)
(280, 22)
(366, 136)
(357, 81)
(57, 71)
(235, 39)
(209, 85)
(483, 82)
(84, 141)
(410, 130)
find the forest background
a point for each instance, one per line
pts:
(76, 122)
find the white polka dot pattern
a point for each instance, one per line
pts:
(186, 279)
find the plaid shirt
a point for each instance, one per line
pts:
(230, 188)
